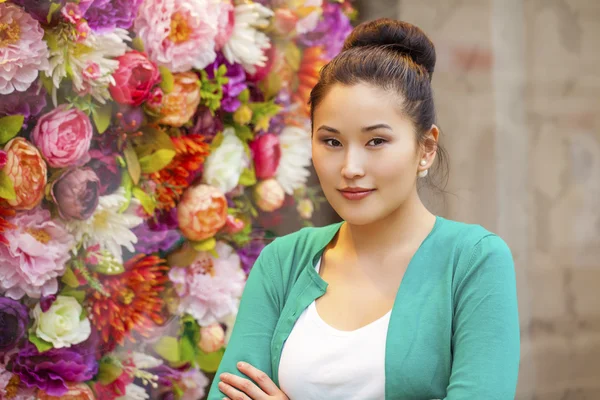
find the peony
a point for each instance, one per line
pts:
(201, 212)
(193, 383)
(28, 103)
(179, 34)
(266, 153)
(247, 44)
(63, 136)
(212, 338)
(36, 255)
(61, 324)
(225, 23)
(13, 324)
(75, 391)
(295, 158)
(210, 288)
(134, 79)
(269, 195)
(224, 166)
(108, 226)
(179, 106)
(106, 15)
(104, 164)
(52, 370)
(76, 193)
(23, 52)
(27, 171)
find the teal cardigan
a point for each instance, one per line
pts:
(453, 332)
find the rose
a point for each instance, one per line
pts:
(201, 212)
(13, 323)
(76, 193)
(269, 195)
(62, 324)
(27, 170)
(178, 106)
(266, 152)
(224, 166)
(212, 338)
(63, 136)
(134, 79)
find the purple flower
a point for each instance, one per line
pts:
(165, 220)
(106, 15)
(249, 254)
(235, 85)
(13, 323)
(104, 164)
(207, 124)
(330, 32)
(153, 240)
(38, 8)
(51, 370)
(76, 193)
(28, 103)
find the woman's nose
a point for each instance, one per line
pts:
(353, 167)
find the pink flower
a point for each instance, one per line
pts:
(134, 79)
(266, 152)
(63, 136)
(3, 158)
(202, 211)
(71, 12)
(212, 338)
(269, 195)
(225, 23)
(91, 71)
(23, 52)
(179, 34)
(36, 255)
(83, 30)
(210, 287)
(193, 383)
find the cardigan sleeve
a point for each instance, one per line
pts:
(486, 338)
(258, 314)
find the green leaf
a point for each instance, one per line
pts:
(78, 295)
(168, 81)
(70, 279)
(7, 189)
(209, 362)
(108, 372)
(248, 177)
(148, 204)
(133, 164)
(10, 127)
(244, 133)
(138, 44)
(102, 116)
(53, 8)
(244, 96)
(168, 348)
(152, 140)
(156, 161)
(127, 184)
(205, 245)
(41, 344)
(187, 350)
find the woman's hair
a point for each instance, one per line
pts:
(395, 56)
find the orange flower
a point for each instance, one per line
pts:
(178, 106)
(28, 173)
(77, 391)
(202, 212)
(307, 76)
(172, 180)
(133, 302)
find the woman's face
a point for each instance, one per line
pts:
(361, 142)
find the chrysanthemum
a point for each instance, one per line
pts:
(89, 63)
(179, 34)
(109, 227)
(133, 301)
(23, 52)
(293, 172)
(171, 181)
(247, 43)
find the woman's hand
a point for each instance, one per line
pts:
(237, 388)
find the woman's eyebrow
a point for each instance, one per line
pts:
(365, 129)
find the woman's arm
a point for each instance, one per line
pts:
(486, 340)
(259, 311)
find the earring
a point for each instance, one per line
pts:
(423, 163)
(423, 174)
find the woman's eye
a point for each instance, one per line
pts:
(332, 142)
(377, 141)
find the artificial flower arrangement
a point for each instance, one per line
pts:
(144, 143)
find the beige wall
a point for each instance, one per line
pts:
(518, 96)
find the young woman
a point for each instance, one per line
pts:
(395, 302)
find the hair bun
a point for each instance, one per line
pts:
(398, 35)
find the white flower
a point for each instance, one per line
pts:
(134, 392)
(247, 44)
(292, 172)
(305, 208)
(96, 54)
(62, 324)
(109, 227)
(144, 361)
(224, 166)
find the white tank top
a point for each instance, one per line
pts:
(320, 362)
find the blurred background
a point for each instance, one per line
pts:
(518, 98)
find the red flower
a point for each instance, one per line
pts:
(134, 79)
(266, 153)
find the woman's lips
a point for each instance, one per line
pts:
(356, 195)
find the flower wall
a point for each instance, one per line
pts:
(144, 147)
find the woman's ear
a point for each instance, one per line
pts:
(429, 145)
